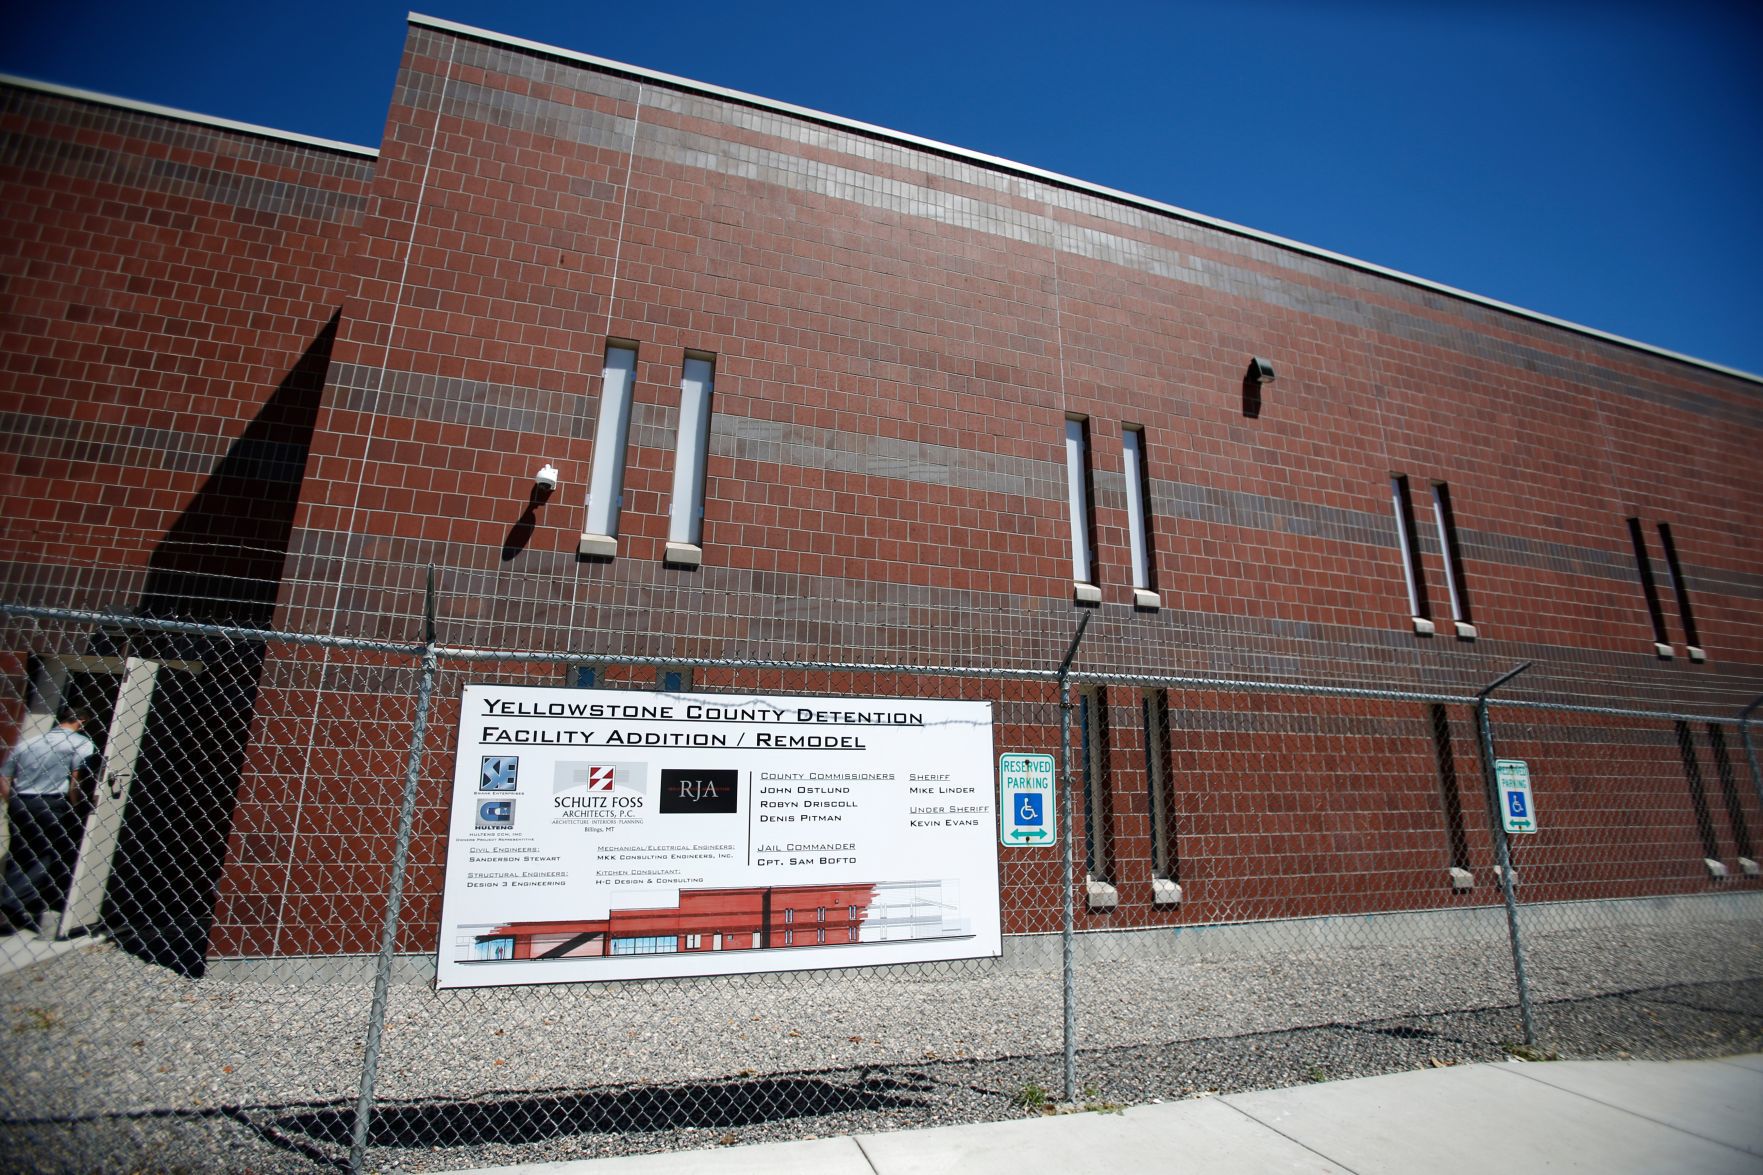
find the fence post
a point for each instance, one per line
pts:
(1067, 937)
(1751, 747)
(376, 1020)
(1502, 849)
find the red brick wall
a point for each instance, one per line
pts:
(899, 336)
(165, 291)
(899, 339)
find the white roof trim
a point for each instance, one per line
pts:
(187, 116)
(1065, 181)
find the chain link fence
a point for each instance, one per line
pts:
(227, 956)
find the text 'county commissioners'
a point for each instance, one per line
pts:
(599, 836)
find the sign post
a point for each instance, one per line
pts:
(1025, 801)
(1517, 807)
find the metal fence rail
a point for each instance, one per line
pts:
(1256, 882)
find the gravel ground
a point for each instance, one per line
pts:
(115, 1065)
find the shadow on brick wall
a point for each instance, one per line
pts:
(220, 562)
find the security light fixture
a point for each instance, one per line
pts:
(546, 477)
(1260, 371)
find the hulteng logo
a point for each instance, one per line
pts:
(495, 814)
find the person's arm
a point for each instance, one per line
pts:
(82, 771)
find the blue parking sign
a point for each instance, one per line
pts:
(1517, 811)
(1026, 815)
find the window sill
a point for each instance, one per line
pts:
(1165, 892)
(1749, 867)
(598, 546)
(683, 555)
(1100, 895)
(1467, 632)
(1086, 593)
(1663, 652)
(1696, 654)
(1148, 601)
(1461, 879)
(1422, 626)
(1716, 869)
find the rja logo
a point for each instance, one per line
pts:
(700, 791)
(696, 789)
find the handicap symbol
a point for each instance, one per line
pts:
(1028, 809)
(1515, 801)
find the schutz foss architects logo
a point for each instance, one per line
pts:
(599, 792)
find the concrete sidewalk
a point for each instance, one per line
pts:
(1683, 1117)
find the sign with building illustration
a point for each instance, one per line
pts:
(1026, 814)
(611, 834)
(1517, 806)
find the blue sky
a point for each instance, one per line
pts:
(1599, 162)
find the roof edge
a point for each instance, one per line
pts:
(1064, 181)
(262, 132)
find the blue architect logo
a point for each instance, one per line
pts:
(500, 773)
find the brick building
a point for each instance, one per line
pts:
(753, 917)
(817, 390)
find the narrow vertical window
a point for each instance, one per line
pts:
(1692, 774)
(606, 478)
(1412, 574)
(1453, 557)
(1729, 792)
(1681, 590)
(1165, 863)
(1643, 564)
(1098, 805)
(1138, 517)
(686, 512)
(1451, 797)
(1077, 486)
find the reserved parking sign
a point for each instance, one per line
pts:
(1517, 807)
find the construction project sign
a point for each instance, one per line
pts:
(611, 834)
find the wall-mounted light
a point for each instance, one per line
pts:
(546, 477)
(1260, 372)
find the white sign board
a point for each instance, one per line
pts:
(610, 834)
(1517, 808)
(1025, 801)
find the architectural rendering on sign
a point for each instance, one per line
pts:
(672, 386)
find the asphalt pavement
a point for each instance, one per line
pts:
(1681, 1117)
